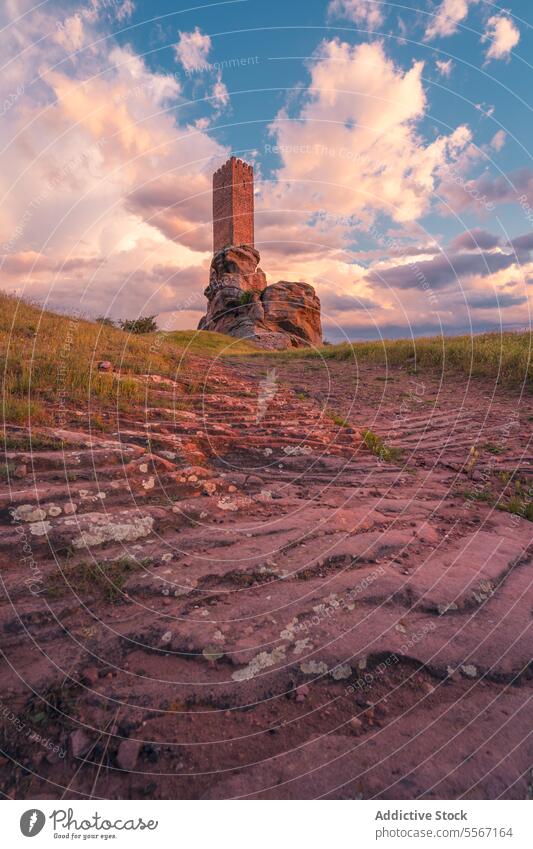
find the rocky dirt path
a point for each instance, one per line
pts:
(230, 593)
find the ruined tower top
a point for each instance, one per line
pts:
(233, 204)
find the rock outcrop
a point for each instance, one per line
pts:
(240, 303)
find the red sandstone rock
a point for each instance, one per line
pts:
(293, 308)
(279, 316)
(127, 754)
(79, 743)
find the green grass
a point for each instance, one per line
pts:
(511, 496)
(6, 471)
(519, 507)
(50, 361)
(506, 356)
(493, 449)
(23, 442)
(106, 579)
(208, 343)
(378, 447)
(338, 419)
(485, 496)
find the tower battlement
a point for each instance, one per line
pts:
(233, 204)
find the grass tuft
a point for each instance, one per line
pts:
(379, 448)
(107, 579)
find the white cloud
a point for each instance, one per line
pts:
(220, 92)
(503, 35)
(447, 18)
(125, 10)
(368, 12)
(192, 50)
(70, 33)
(498, 140)
(352, 150)
(444, 67)
(106, 198)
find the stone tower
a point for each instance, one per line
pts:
(233, 205)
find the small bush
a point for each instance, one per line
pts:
(145, 324)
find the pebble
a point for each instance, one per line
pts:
(79, 743)
(128, 753)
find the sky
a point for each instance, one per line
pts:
(390, 143)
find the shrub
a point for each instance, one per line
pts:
(144, 324)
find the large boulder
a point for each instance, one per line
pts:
(293, 308)
(241, 304)
(237, 266)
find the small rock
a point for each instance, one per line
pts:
(79, 743)
(89, 676)
(344, 670)
(302, 693)
(128, 753)
(21, 471)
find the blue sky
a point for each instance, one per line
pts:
(391, 145)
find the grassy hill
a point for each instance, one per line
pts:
(505, 358)
(48, 359)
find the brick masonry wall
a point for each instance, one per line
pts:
(233, 204)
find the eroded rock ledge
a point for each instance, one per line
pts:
(282, 315)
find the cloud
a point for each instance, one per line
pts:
(125, 10)
(444, 67)
(220, 93)
(350, 148)
(474, 240)
(439, 272)
(487, 190)
(498, 140)
(99, 178)
(503, 35)
(70, 33)
(491, 301)
(368, 12)
(522, 243)
(447, 18)
(333, 302)
(192, 50)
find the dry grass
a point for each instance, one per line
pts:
(505, 357)
(105, 579)
(50, 360)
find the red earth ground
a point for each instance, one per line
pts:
(228, 594)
